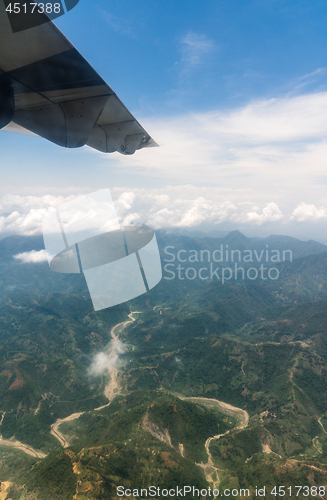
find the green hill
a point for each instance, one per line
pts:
(257, 345)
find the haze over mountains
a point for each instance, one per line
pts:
(235, 239)
(258, 345)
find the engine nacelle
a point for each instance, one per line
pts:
(7, 105)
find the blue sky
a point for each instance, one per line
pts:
(233, 91)
(164, 57)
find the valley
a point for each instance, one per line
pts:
(230, 378)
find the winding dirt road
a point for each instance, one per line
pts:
(111, 390)
(22, 447)
(211, 472)
(122, 325)
(57, 434)
(323, 428)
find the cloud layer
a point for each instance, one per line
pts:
(268, 145)
(32, 257)
(259, 165)
(185, 206)
(24, 214)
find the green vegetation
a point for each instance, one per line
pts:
(14, 463)
(234, 449)
(53, 478)
(189, 424)
(260, 347)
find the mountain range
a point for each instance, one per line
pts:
(137, 395)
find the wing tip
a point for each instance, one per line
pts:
(151, 143)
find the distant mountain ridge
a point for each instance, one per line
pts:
(235, 240)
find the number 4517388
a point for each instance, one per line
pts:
(48, 8)
(297, 490)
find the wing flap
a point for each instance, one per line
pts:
(114, 112)
(131, 143)
(115, 134)
(67, 124)
(115, 126)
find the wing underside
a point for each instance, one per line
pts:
(48, 88)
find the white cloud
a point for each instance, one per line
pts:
(305, 212)
(102, 361)
(268, 145)
(118, 346)
(257, 165)
(32, 257)
(184, 206)
(11, 202)
(24, 214)
(313, 73)
(181, 206)
(172, 206)
(126, 200)
(100, 364)
(270, 213)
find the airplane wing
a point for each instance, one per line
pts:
(48, 88)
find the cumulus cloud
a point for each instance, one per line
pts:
(125, 200)
(102, 361)
(184, 206)
(11, 202)
(32, 257)
(269, 214)
(24, 214)
(254, 166)
(172, 206)
(305, 212)
(180, 206)
(118, 346)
